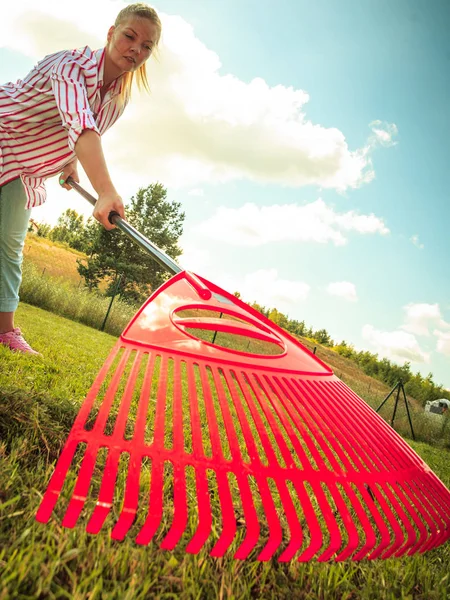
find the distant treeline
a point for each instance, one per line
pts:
(73, 231)
(421, 388)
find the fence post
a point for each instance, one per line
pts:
(116, 289)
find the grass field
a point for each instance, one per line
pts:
(39, 399)
(52, 258)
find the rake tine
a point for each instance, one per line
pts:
(275, 530)
(310, 417)
(229, 527)
(226, 502)
(227, 418)
(125, 404)
(155, 508)
(106, 494)
(353, 537)
(177, 412)
(373, 509)
(299, 422)
(335, 541)
(250, 517)
(295, 529)
(213, 428)
(131, 498)
(92, 395)
(105, 408)
(342, 439)
(270, 455)
(158, 437)
(370, 538)
(410, 502)
(374, 427)
(56, 482)
(180, 514)
(142, 411)
(400, 545)
(59, 475)
(425, 505)
(316, 535)
(264, 402)
(390, 545)
(81, 490)
(204, 513)
(281, 411)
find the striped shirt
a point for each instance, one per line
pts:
(43, 115)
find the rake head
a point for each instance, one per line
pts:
(259, 450)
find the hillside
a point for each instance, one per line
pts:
(52, 258)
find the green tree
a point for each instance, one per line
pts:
(279, 318)
(296, 327)
(323, 337)
(70, 228)
(111, 253)
(261, 309)
(41, 229)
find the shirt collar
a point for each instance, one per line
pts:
(116, 85)
(100, 58)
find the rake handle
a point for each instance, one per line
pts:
(115, 219)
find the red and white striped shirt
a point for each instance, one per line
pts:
(43, 115)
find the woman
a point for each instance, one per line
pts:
(54, 118)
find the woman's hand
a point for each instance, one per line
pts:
(107, 202)
(70, 170)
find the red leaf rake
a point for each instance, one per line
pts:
(259, 450)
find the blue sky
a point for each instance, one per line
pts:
(354, 79)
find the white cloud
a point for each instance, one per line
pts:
(200, 125)
(421, 317)
(194, 258)
(415, 240)
(398, 346)
(343, 289)
(196, 192)
(383, 133)
(267, 288)
(443, 342)
(250, 225)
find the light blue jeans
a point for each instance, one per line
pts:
(13, 229)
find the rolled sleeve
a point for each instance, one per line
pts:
(69, 88)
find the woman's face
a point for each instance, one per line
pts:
(130, 43)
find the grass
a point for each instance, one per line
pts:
(61, 297)
(52, 258)
(39, 399)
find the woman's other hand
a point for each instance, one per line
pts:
(107, 203)
(70, 170)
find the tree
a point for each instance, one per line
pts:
(323, 337)
(70, 228)
(111, 253)
(278, 317)
(296, 327)
(261, 309)
(41, 229)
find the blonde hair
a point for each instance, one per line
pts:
(147, 12)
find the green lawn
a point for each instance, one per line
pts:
(39, 398)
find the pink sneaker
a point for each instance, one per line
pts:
(15, 341)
